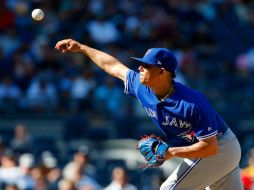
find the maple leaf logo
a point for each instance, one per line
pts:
(188, 135)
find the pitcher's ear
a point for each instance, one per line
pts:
(162, 70)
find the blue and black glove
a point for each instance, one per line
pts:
(153, 149)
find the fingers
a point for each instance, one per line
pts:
(58, 44)
(63, 45)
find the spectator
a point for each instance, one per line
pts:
(8, 90)
(120, 181)
(41, 95)
(81, 88)
(26, 163)
(10, 40)
(48, 162)
(84, 182)
(41, 182)
(80, 158)
(81, 180)
(22, 140)
(101, 25)
(9, 172)
(50, 170)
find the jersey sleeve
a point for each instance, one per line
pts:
(131, 83)
(204, 122)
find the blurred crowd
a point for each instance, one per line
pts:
(212, 39)
(24, 168)
(212, 56)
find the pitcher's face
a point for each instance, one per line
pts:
(149, 75)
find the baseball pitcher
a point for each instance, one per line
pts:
(194, 130)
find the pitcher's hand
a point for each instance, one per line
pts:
(68, 45)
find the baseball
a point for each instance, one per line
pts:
(37, 14)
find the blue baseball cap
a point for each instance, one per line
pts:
(160, 57)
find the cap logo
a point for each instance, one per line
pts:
(148, 52)
(159, 63)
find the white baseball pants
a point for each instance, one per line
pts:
(219, 172)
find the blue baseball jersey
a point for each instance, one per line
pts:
(184, 117)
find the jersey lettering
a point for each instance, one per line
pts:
(151, 112)
(173, 122)
(166, 121)
(176, 123)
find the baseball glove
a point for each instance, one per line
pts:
(153, 149)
